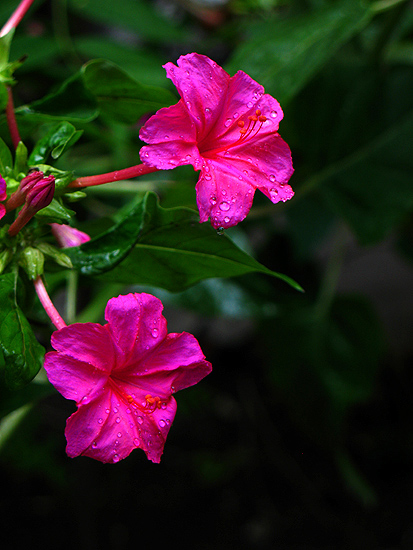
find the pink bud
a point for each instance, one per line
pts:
(68, 236)
(26, 185)
(38, 194)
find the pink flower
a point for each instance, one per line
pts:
(3, 196)
(68, 236)
(122, 376)
(227, 128)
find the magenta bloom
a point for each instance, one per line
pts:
(122, 376)
(3, 196)
(68, 236)
(227, 128)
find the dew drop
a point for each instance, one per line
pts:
(100, 420)
(140, 419)
(228, 122)
(155, 332)
(272, 178)
(162, 423)
(213, 200)
(208, 177)
(207, 110)
(136, 442)
(119, 434)
(226, 219)
(188, 157)
(246, 172)
(116, 458)
(240, 178)
(273, 114)
(166, 137)
(224, 192)
(117, 419)
(172, 162)
(273, 193)
(94, 445)
(115, 410)
(224, 206)
(250, 104)
(107, 411)
(236, 115)
(163, 406)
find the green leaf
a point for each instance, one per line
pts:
(4, 98)
(22, 354)
(138, 15)
(121, 97)
(55, 212)
(372, 188)
(167, 248)
(6, 159)
(5, 42)
(283, 54)
(69, 102)
(58, 138)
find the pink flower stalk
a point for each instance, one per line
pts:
(227, 128)
(38, 194)
(3, 196)
(122, 376)
(68, 236)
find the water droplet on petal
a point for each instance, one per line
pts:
(273, 114)
(224, 206)
(273, 193)
(162, 423)
(100, 420)
(246, 172)
(117, 419)
(115, 410)
(272, 178)
(240, 178)
(236, 115)
(119, 434)
(155, 332)
(208, 177)
(188, 157)
(213, 200)
(207, 110)
(94, 445)
(116, 458)
(228, 122)
(140, 419)
(224, 192)
(136, 442)
(227, 219)
(250, 104)
(166, 137)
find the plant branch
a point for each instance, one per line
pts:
(118, 175)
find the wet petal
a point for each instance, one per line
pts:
(74, 379)
(136, 324)
(202, 85)
(86, 342)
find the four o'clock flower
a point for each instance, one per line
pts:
(3, 196)
(227, 128)
(122, 376)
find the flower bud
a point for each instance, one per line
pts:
(38, 194)
(68, 236)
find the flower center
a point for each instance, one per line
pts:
(150, 405)
(247, 133)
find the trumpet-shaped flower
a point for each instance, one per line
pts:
(122, 376)
(227, 128)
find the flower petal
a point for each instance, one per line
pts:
(110, 429)
(2, 210)
(222, 196)
(3, 189)
(74, 379)
(137, 326)
(171, 133)
(177, 363)
(86, 342)
(202, 84)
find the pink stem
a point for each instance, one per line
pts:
(11, 120)
(118, 175)
(47, 304)
(16, 17)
